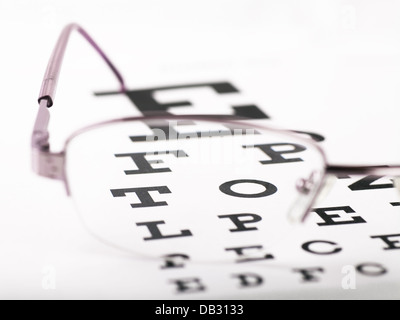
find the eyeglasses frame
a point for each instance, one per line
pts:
(52, 165)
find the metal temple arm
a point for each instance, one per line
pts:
(49, 83)
(384, 170)
(47, 92)
(45, 162)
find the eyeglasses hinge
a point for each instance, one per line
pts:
(48, 164)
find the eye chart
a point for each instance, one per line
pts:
(348, 244)
(328, 71)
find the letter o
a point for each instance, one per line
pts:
(227, 188)
(376, 269)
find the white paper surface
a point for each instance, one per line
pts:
(323, 66)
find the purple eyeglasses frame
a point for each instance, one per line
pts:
(53, 164)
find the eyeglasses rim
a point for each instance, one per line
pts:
(222, 119)
(328, 169)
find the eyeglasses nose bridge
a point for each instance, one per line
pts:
(312, 190)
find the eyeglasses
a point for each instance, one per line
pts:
(160, 183)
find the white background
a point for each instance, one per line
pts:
(327, 66)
